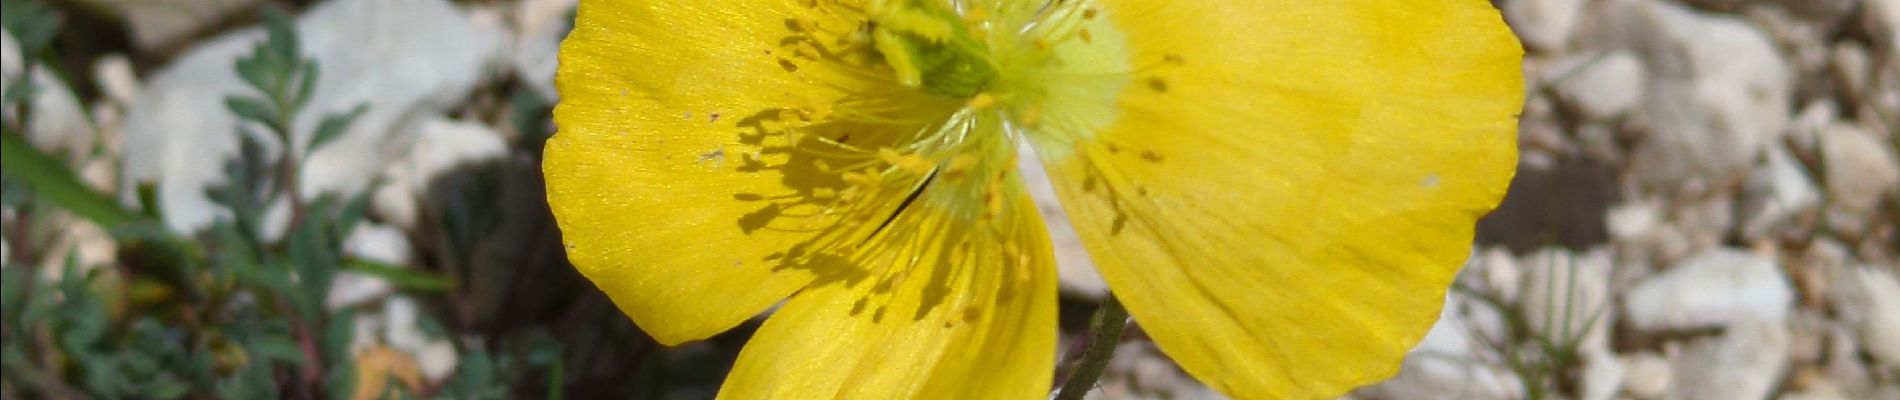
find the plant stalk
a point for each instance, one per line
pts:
(1107, 324)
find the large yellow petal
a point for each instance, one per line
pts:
(671, 142)
(1288, 186)
(974, 320)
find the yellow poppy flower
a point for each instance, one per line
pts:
(1279, 190)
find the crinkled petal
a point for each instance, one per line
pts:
(651, 176)
(978, 324)
(1288, 187)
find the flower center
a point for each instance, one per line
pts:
(915, 166)
(932, 49)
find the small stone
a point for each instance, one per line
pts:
(116, 79)
(1775, 192)
(1544, 25)
(1746, 362)
(1602, 86)
(1502, 274)
(1645, 375)
(59, 124)
(1804, 133)
(1883, 20)
(369, 242)
(1567, 297)
(1717, 92)
(1850, 65)
(437, 360)
(1712, 289)
(1860, 170)
(1869, 302)
(1632, 221)
(1602, 376)
(400, 324)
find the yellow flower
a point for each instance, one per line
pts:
(1279, 190)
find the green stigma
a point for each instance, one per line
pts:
(932, 49)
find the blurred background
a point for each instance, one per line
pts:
(341, 199)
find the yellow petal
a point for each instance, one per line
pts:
(1288, 186)
(671, 119)
(977, 324)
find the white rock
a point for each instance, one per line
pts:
(1717, 92)
(1817, 390)
(1883, 18)
(1501, 274)
(542, 28)
(378, 243)
(1602, 376)
(116, 79)
(363, 332)
(370, 242)
(1543, 24)
(1712, 289)
(59, 123)
(1860, 169)
(1777, 190)
(400, 327)
(1746, 362)
(1646, 376)
(441, 146)
(1633, 220)
(1602, 86)
(405, 59)
(350, 288)
(1567, 297)
(1075, 271)
(437, 360)
(1451, 362)
(1868, 300)
(1804, 133)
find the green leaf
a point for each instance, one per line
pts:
(50, 180)
(33, 24)
(251, 109)
(281, 36)
(19, 91)
(278, 348)
(406, 279)
(338, 335)
(255, 71)
(307, 84)
(333, 126)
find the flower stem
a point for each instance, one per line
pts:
(1107, 325)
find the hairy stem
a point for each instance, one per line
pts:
(1107, 325)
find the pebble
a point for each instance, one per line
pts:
(1545, 25)
(1567, 297)
(1602, 86)
(1746, 362)
(59, 124)
(1868, 300)
(1778, 190)
(1716, 94)
(370, 242)
(1646, 375)
(1860, 170)
(1712, 289)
